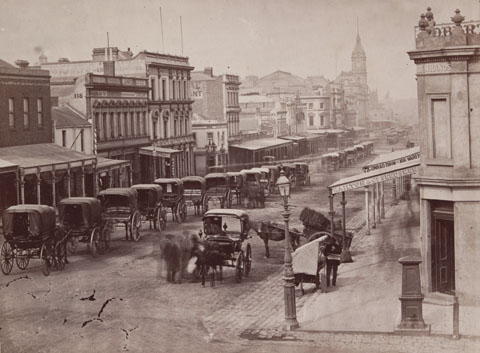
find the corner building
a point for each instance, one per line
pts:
(448, 77)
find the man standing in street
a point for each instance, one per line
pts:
(332, 253)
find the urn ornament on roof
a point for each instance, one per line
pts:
(458, 19)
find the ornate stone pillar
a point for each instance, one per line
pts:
(382, 200)
(367, 211)
(374, 225)
(22, 185)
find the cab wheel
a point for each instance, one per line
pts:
(22, 261)
(248, 260)
(161, 219)
(105, 240)
(7, 258)
(94, 246)
(135, 227)
(239, 267)
(60, 255)
(46, 258)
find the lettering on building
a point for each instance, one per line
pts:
(437, 67)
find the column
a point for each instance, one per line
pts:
(22, 186)
(38, 188)
(367, 211)
(382, 200)
(377, 203)
(82, 177)
(67, 179)
(374, 225)
(54, 203)
(394, 191)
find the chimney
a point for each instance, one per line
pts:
(23, 64)
(109, 68)
(208, 71)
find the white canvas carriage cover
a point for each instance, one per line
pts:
(305, 258)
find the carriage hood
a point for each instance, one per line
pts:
(41, 218)
(154, 193)
(91, 209)
(129, 193)
(194, 182)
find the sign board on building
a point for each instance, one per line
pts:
(437, 67)
(197, 92)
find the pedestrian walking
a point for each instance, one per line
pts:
(332, 253)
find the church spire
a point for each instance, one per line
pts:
(358, 49)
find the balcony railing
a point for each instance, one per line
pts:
(116, 80)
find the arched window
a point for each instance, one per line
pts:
(144, 123)
(139, 127)
(104, 126)
(310, 120)
(186, 125)
(125, 124)
(132, 124)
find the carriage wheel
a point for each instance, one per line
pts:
(7, 258)
(248, 260)
(229, 200)
(60, 256)
(105, 241)
(183, 211)
(46, 257)
(205, 204)
(22, 261)
(239, 267)
(162, 219)
(201, 270)
(178, 213)
(95, 242)
(135, 227)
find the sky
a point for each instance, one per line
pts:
(244, 37)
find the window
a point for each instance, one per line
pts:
(155, 129)
(104, 126)
(132, 124)
(164, 90)
(186, 126)
(82, 141)
(322, 120)
(174, 87)
(310, 105)
(175, 127)
(440, 129)
(125, 124)
(321, 105)
(152, 86)
(165, 128)
(139, 127)
(119, 125)
(64, 138)
(39, 112)
(11, 112)
(310, 120)
(112, 125)
(26, 118)
(185, 89)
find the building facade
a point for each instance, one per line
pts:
(448, 74)
(72, 130)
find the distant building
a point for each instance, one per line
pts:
(72, 130)
(216, 97)
(211, 143)
(158, 99)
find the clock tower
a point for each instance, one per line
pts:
(359, 75)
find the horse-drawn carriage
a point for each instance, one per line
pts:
(150, 204)
(226, 232)
(237, 182)
(290, 173)
(253, 192)
(30, 232)
(173, 198)
(351, 155)
(302, 173)
(274, 174)
(217, 191)
(194, 188)
(331, 161)
(120, 206)
(81, 218)
(265, 179)
(276, 232)
(360, 151)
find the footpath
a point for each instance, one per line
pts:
(360, 313)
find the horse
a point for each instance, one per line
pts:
(273, 231)
(207, 256)
(176, 251)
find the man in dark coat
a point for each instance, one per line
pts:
(332, 253)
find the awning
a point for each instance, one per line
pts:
(389, 159)
(161, 152)
(107, 163)
(7, 167)
(375, 176)
(259, 144)
(44, 157)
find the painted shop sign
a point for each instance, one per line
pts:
(373, 180)
(410, 157)
(437, 67)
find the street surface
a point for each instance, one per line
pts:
(121, 301)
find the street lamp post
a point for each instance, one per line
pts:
(291, 322)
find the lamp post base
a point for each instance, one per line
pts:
(290, 325)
